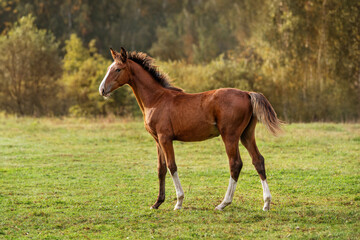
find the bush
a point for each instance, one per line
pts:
(29, 69)
(84, 70)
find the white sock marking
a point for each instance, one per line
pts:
(229, 195)
(179, 191)
(266, 195)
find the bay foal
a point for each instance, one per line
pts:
(171, 114)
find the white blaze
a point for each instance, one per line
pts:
(102, 84)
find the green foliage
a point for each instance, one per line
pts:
(29, 69)
(127, 23)
(199, 33)
(96, 179)
(84, 69)
(216, 74)
(303, 55)
(322, 86)
(296, 54)
(75, 55)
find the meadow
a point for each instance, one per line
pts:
(97, 178)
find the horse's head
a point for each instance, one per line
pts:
(117, 74)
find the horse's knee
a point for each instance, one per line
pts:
(237, 164)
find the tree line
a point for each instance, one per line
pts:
(303, 55)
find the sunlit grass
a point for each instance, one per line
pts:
(86, 178)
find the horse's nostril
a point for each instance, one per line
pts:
(103, 91)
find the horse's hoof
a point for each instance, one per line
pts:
(267, 205)
(219, 208)
(177, 207)
(266, 208)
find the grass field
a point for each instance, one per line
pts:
(96, 179)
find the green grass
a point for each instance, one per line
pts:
(90, 179)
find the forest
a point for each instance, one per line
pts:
(303, 55)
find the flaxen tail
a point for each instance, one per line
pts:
(265, 113)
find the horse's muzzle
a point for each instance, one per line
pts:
(104, 93)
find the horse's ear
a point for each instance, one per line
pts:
(123, 55)
(114, 54)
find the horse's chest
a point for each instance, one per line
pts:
(149, 120)
(151, 130)
(149, 116)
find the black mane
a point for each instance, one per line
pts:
(147, 63)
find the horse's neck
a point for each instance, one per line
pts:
(147, 91)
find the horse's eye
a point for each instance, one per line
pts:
(118, 70)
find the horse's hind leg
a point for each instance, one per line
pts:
(232, 150)
(161, 174)
(248, 140)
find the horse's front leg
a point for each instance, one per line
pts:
(168, 149)
(161, 166)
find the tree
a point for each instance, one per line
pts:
(315, 48)
(29, 69)
(84, 69)
(303, 55)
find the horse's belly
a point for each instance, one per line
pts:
(198, 133)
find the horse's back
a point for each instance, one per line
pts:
(232, 100)
(200, 116)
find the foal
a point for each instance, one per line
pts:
(171, 114)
